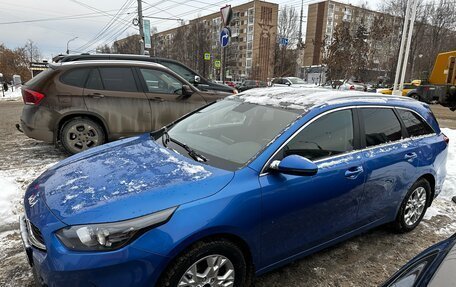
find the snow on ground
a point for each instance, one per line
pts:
(11, 95)
(8, 196)
(443, 204)
(449, 187)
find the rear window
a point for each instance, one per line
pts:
(75, 77)
(414, 124)
(118, 79)
(380, 126)
(38, 78)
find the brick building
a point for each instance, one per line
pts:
(250, 54)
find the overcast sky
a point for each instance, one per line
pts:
(86, 22)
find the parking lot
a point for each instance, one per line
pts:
(365, 260)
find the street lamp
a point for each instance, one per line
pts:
(68, 51)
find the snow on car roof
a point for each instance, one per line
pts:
(304, 98)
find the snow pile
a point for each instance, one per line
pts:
(304, 98)
(10, 192)
(11, 95)
(449, 187)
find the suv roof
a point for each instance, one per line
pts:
(204, 84)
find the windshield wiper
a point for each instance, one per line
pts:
(193, 154)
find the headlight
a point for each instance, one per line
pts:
(113, 235)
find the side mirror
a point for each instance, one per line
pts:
(187, 91)
(197, 80)
(294, 165)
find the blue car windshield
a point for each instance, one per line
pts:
(229, 133)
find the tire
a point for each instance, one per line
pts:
(201, 253)
(79, 134)
(413, 207)
(415, 96)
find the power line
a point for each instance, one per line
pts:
(89, 7)
(68, 17)
(103, 32)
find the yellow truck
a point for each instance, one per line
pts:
(409, 89)
(441, 84)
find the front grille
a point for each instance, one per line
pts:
(35, 236)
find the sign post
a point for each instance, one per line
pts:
(227, 14)
(147, 42)
(207, 57)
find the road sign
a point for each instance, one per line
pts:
(225, 36)
(283, 41)
(146, 26)
(227, 14)
(207, 56)
(217, 64)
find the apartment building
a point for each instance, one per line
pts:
(322, 19)
(250, 54)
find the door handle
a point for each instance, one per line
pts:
(410, 155)
(156, 99)
(353, 172)
(96, 95)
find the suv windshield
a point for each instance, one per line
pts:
(180, 70)
(231, 132)
(296, 81)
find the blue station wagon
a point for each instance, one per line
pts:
(234, 189)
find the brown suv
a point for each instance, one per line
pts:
(85, 104)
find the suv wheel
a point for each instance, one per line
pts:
(413, 206)
(80, 134)
(208, 264)
(415, 96)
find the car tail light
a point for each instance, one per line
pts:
(446, 139)
(31, 97)
(352, 87)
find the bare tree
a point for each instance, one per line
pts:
(14, 62)
(33, 51)
(285, 55)
(434, 32)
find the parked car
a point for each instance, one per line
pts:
(231, 84)
(353, 86)
(434, 267)
(84, 104)
(288, 81)
(237, 188)
(250, 84)
(408, 91)
(185, 72)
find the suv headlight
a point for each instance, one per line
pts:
(113, 235)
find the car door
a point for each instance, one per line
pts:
(301, 212)
(166, 99)
(113, 94)
(390, 163)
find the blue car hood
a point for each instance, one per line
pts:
(123, 180)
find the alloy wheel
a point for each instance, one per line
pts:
(415, 206)
(210, 271)
(82, 136)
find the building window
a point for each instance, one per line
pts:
(251, 16)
